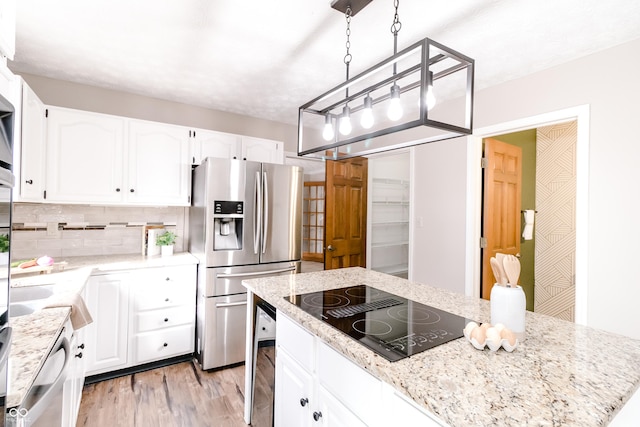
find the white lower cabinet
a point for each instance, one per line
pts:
(140, 316)
(307, 394)
(72, 393)
(316, 385)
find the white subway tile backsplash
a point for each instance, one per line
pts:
(89, 230)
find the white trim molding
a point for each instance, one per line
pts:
(474, 197)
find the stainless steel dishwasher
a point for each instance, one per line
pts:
(42, 405)
(263, 362)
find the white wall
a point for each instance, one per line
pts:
(609, 83)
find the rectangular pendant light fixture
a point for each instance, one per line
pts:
(428, 86)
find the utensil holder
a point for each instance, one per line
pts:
(508, 306)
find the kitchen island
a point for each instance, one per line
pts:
(561, 374)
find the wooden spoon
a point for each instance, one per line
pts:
(511, 266)
(497, 271)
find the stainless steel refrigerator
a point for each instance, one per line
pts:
(245, 222)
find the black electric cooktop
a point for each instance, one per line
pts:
(392, 326)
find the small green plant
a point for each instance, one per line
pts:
(166, 238)
(4, 242)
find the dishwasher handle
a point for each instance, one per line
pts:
(38, 408)
(231, 304)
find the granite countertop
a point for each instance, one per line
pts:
(561, 374)
(35, 334)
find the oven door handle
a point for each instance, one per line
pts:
(231, 304)
(255, 273)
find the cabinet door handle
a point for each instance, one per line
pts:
(165, 344)
(132, 190)
(167, 279)
(304, 401)
(81, 346)
(117, 190)
(166, 319)
(79, 355)
(29, 181)
(317, 415)
(166, 300)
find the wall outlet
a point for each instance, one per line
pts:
(52, 229)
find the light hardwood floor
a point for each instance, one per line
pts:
(180, 395)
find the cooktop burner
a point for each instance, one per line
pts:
(392, 326)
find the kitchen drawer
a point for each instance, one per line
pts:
(296, 341)
(183, 275)
(153, 297)
(164, 318)
(163, 344)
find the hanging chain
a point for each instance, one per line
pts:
(397, 25)
(347, 56)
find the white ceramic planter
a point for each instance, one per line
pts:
(166, 250)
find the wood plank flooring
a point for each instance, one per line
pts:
(180, 395)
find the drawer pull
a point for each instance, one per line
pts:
(166, 300)
(29, 181)
(81, 346)
(317, 415)
(165, 344)
(166, 319)
(167, 279)
(79, 355)
(304, 401)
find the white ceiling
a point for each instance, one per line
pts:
(265, 58)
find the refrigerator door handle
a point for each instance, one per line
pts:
(257, 215)
(265, 220)
(255, 273)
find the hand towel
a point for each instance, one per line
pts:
(80, 315)
(529, 216)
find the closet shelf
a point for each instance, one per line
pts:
(382, 223)
(389, 244)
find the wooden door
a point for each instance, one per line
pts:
(502, 199)
(345, 213)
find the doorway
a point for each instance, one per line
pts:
(578, 297)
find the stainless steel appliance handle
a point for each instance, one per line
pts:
(42, 403)
(231, 304)
(255, 273)
(265, 220)
(257, 215)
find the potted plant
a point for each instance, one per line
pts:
(166, 241)
(4, 248)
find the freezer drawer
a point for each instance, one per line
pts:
(221, 281)
(221, 330)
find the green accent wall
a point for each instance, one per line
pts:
(527, 141)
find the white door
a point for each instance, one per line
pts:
(32, 147)
(106, 338)
(158, 164)
(84, 156)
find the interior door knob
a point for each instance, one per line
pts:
(330, 248)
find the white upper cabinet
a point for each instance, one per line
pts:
(84, 157)
(158, 170)
(7, 28)
(30, 148)
(262, 150)
(103, 159)
(206, 143)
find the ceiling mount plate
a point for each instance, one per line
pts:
(356, 5)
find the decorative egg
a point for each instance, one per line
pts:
(509, 335)
(479, 334)
(470, 327)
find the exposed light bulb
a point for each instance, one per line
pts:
(395, 106)
(327, 132)
(366, 119)
(344, 127)
(431, 98)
